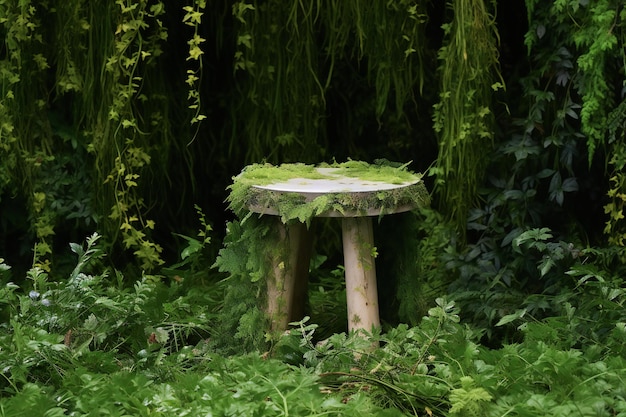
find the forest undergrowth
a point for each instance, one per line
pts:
(88, 344)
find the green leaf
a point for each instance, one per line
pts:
(468, 400)
(91, 322)
(77, 249)
(162, 335)
(511, 317)
(532, 236)
(106, 301)
(546, 265)
(193, 246)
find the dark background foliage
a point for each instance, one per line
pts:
(122, 124)
(100, 128)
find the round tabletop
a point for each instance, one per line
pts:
(336, 192)
(333, 181)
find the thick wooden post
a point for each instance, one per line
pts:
(287, 287)
(361, 291)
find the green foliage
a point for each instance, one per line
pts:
(409, 264)
(85, 321)
(135, 46)
(589, 36)
(614, 209)
(98, 101)
(495, 282)
(242, 324)
(535, 174)
(85, 118)
(327, 298)
(194, 257)
(421, 275)
(468, 400)
(193, 18)
(134, 229)
(133, 352)
(463, 118)
(592, 32)
(289, 57)
(25, 139)
(438, 368)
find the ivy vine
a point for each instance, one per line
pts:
(193, 18)
(136, 44)
(593, 33)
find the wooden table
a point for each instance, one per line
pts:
(330, 192)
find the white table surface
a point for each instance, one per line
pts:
(335, 183)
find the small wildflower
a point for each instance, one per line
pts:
(46, 302)
(33, 294)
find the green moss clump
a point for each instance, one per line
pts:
(374, 172)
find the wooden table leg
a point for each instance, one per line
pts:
(361, 291)
(287, 288)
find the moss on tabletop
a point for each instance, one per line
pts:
(291, 206)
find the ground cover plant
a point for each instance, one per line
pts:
(127, 287)
(82, 346)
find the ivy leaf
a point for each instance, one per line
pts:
(194, 53)
(562, 78)
(510, 236)
(556, 190)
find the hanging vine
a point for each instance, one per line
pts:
(193, 18)
(615, 225)
(599, 35)
(598, 41)
(287, 58)
(463, 117)
(282, 96)
(25, 136)
(389, 36)
(136, 44)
